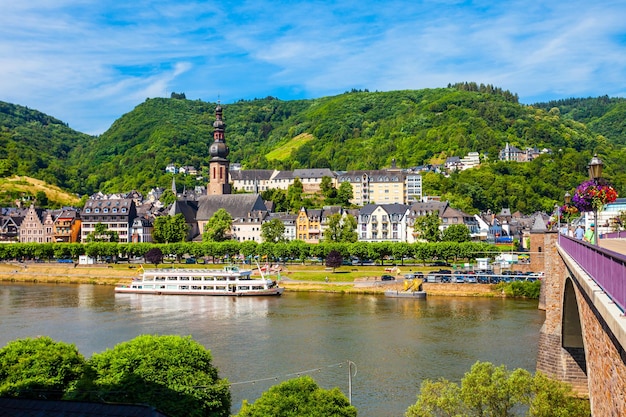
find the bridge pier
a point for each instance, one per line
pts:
(559, 357)
(583, 337)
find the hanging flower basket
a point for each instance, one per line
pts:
(592, 195)
(568, 212)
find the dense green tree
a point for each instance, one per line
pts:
(487, 390)
(300, 397)
(456, 233)
(218, 228)
(39, 367)
(169, 229)
(172, 373)
(278, 197)
(327, 188)
(42, 199)
(345, 193)
(340, 228)
(294, 195)
(167, 198)
(273, 231)
(428, 227)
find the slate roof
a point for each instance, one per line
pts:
(389, 208)
(284, 175)
(237, 205)
(313, 173)
(429, 207)
(187, 208)
(251, 174)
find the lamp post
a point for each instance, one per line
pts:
(568, 199)
(558, 218)
(595, 173)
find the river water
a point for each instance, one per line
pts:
(259, 342)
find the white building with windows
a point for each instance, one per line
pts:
(383, 223)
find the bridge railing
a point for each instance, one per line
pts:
(607, 268)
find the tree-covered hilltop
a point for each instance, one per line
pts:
(38, 145)
(354, 130)
(603, 115)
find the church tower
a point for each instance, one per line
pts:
(218, 165)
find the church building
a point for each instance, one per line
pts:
(247, 210)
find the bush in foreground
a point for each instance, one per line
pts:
(38, 368)
(299, 397)
(172, 373)
(494, 391)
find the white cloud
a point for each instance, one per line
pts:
(89, 62)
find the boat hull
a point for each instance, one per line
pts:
(406, 294)
(255, 293)
(229, 282)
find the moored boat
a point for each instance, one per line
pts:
(229, 281)
(412, 289)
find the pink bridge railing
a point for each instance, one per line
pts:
(605, 267)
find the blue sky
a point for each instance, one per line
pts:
(89, 62)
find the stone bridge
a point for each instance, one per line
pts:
(583, 339)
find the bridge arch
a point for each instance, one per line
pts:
(572, 338)
(583, 338)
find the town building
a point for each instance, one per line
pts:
(141, 230)
(116, 213)
(251, 180)
(37, 226)
(383, 223)
(67, 226)
(289, 221)
(10, 221)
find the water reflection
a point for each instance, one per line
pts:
(395, 343)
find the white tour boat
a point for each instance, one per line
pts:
(228, 281)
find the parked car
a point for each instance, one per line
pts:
(387, 278)
(190, 260)
(471, 279)
(458, 277)
(433, 277)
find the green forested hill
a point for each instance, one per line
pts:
(33, 143)
(602, 115)
(356, 130)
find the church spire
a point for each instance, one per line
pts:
(218, 165)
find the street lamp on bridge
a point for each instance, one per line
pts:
(595, 173)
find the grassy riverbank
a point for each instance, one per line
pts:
(356, 280)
